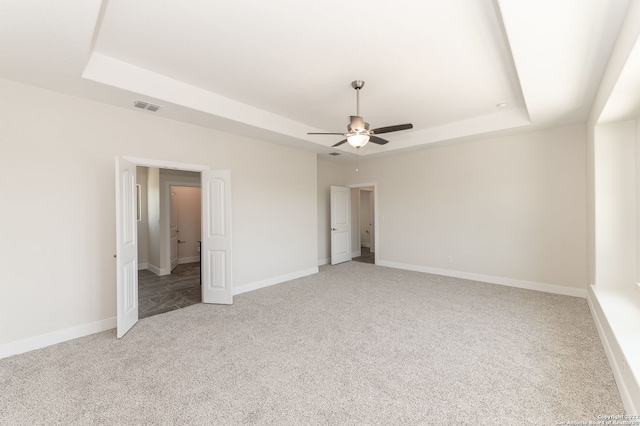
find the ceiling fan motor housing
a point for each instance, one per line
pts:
(357, 84)
(357, 125)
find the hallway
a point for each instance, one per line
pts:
(159, 294)
(365, 256)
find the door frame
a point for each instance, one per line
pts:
(172, 165)
(370, 211)
(224, 243)
(167, 206)
(376, 221)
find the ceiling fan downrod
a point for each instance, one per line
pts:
(357, 84)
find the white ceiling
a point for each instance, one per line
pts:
(279, 69)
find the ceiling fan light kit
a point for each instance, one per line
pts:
(358, 140)
(358, 132)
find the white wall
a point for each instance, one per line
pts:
(615, 195)
(637, 198)
(627, 38)
(61, 273)
(511, 207)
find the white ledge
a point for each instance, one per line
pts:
(617, 315)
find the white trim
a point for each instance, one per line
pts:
(511, 282)
(142, 266)
(188, 259)
(159, 271)
(607, 337)
(275, 280)
(59, 336)
(356, 254)
(165, 212)
(324, 261)
(162, 164)
(367, 245)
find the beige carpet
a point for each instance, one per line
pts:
(354, 344)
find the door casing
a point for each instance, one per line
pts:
(161, 164)
(376, 215)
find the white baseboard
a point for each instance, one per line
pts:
(356, 254)
(367, 245)
(59, 336)
(324, 261)
(158, 271)
(275, 280)
(41, 341)
(511, 282)
(625, 380)
(142, 266)
(191, 259)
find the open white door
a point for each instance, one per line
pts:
(372, 218)
(126, 245)
(173, 228)
(340, 224)
(217, 284)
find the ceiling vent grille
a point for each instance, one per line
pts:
(146, 105)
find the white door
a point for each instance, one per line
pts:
(173, 228)
(340, 224)
(126, 246)
(372, 227)
(217, 283)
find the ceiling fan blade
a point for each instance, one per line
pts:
(395, 128)
(339, 143)
(341, 134)
(377, 140)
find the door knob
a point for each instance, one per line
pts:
(333, 229)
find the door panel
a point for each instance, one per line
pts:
(340, 224)
(126, 246)
(217, 284)
(372, 218)
(173, 227)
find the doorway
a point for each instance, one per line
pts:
(345, 223)
(171, 197)
(364, 227)
(216, 235)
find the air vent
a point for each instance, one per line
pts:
(334, 153)
(146, 105)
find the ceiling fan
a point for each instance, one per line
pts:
(358, 133)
